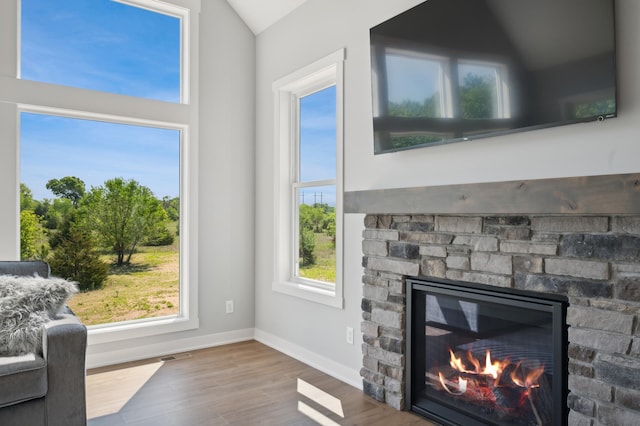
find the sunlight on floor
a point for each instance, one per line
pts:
(130, 380)
(321, 398)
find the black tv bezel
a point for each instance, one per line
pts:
(592, 119)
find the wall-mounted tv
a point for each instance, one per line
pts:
(456, 70)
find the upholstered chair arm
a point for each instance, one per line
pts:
(64, 349)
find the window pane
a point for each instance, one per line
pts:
(416, 86)
(318, 135)
(101, 45)
(106, 193)
(479, 91)
(317, 233)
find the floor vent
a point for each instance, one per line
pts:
(175, 357)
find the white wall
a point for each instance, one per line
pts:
(320, 27)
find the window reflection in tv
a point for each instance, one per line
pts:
(456, 70)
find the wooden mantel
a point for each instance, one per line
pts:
(606, 194)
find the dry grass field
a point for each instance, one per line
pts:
(148, 287)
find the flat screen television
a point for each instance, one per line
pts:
(456, 70)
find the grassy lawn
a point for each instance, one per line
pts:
(149, 287)
(325, 267)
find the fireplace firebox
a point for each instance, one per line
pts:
(479, 355)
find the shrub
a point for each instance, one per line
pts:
(75, 258)
(163, 237)
(307, 246)
(29, 233)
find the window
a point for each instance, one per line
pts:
(102, 45)
(484, 92)
(308, 252)
(86, 102)
(64, 162)
(418, 85)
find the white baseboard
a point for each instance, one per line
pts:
(103, 358)
(97, 358)
(327, 366)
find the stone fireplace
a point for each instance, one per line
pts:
(585, 247)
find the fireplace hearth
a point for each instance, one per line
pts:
(479, 355)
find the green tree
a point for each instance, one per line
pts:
(26, 198)
(29, 234)
(172, 207)
(58, 212)
(595, 108)
(69, 187)
(123, 213)
(476, 97)
(75, 258)
(430, 107)
(312, 217)
(307, 246)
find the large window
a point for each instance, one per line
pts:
(309, 182)
(106, 197)
(95, 94)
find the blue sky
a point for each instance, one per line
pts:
(101, 45)
(55, 147)
(318, 144)
(106, 46)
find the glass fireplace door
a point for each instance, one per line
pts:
(483, 356)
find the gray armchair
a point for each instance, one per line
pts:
(46, 388)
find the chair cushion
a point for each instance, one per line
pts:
(22, 378)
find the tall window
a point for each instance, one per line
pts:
(309, 178)
(315, 186)
(107, 132)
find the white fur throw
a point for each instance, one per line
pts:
(26, 304)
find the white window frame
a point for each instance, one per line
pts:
(321, 74)
(17, 96)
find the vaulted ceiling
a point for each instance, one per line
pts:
(260, 14)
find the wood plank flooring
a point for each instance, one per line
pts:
(244, 383)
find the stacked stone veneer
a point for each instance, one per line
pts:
(594, 261)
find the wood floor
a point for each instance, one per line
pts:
(244, 383)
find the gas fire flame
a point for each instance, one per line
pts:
(500, 382)
(531, 378)
(492, 369)
(462, 385)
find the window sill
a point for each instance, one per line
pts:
(140, 328)
(309, 292)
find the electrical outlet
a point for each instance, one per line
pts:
(350, 335)
(229, 306)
